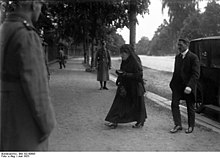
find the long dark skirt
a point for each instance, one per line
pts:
(127, 109)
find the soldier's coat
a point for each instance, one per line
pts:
(27, 115)
(103, 63)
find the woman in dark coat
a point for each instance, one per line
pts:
(128, 105)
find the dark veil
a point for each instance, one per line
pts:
(130, 50)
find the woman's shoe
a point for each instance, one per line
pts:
(138, 125)
(112, 125)
(189, 130)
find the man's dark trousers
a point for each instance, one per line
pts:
(176, 97)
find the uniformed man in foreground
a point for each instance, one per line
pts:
(27, 115)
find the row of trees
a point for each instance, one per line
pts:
(186, 20)
(87, 21)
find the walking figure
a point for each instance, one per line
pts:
(183, 85)
(128, 105)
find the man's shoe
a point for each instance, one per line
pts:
(189, 130)
(176, 129)
(100, 88)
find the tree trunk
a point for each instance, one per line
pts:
(84, 49)
(75, 49)
(87, 52)
(132, 21)
(92, 54)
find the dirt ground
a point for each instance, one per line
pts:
(81, 109)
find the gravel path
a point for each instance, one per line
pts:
(81, 108)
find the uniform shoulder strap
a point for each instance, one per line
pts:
(28, 26)
(12, 34)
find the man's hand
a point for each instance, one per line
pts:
(187, 90)
(117, 83)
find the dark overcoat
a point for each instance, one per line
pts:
(130, 107)
(27, 115)
(103, 63)
(186, 73)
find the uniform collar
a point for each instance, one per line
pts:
(19, 17)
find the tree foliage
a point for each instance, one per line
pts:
(210, 21)
(80, 18)
(92, 18)
(115, 41)
(203, 24)
(162, 41)
(193, 24)
(142, 46)
(178, 11)
(85, 21)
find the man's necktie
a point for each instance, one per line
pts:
(181, 56)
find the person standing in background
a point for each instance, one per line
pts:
(27, 114)
(61, 58)
(103, 64)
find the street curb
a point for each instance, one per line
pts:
(201, 120)
(52, 62)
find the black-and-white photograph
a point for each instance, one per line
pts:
(109, 76)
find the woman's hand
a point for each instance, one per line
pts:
(117, 83)
(124, 74)
(119, 72)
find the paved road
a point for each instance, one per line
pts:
(81, 108)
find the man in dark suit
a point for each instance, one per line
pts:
(183, 85)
